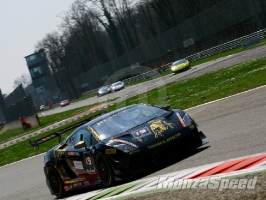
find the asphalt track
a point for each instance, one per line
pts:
(234, 126)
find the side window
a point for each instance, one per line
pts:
(70, 140)
(93, 140)
(83, 134)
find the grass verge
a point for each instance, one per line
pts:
(45, 121)
(181, 94)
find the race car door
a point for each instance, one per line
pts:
(78, 159)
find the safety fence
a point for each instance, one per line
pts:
(192, 58)
(226, 46)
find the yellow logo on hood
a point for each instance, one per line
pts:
(159, 126)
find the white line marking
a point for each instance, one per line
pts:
(226, 97)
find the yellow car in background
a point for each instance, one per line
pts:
(179, 65)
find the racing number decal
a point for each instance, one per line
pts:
(143, 132)
(89, 164)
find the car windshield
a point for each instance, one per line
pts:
(116, 84)
(104, 88)
(179, 62)
(126, 119)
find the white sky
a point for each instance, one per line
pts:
(24, 23)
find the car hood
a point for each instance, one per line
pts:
(149, 134)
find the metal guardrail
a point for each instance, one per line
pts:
(192, 58)
(226, 46)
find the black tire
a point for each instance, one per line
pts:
(55, 182)
(104, 169)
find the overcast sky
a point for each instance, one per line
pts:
(24, 23)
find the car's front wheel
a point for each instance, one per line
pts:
(55, 182)
(104, 169)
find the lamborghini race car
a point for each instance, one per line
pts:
(180, 65)
(117, 145)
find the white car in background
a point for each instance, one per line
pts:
(103, 91)
(117, 86)
(43, 107)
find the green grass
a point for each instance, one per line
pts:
(214, 57)
(205, 88)
(45, 121)
(23, 149)
(181, 94)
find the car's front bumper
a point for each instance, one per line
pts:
(144, 159)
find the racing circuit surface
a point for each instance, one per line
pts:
(234, 126)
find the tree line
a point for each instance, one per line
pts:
(94, 32)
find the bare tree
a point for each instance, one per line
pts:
(166, 11)
(145, 11)
(107, 20)
(24, 79)
(85, 31)
(61, 66)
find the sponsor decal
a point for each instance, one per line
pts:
(164, 141)
(70, 164)
(89, 164)
(66, 188)
(77, 184)
(88, 161)
(94, 134)
(135, 151)
(110, 151)
(140, 133)
(72, 153)
(74, 181)
(78, 164)
(192, 127)
(86, 183)
(173, 137)
(208, 183)
(159, 126)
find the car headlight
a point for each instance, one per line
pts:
(186, 120)
(122, 145)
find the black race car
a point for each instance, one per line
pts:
(117, 145)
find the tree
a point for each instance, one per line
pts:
(108, 22)
(62, 69)
(84, 28)
(24, 79)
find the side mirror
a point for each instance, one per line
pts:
(80, 145)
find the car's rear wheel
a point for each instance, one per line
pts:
(104, 169)
(55, 182)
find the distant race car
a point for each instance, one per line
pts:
(180, 65)
(103, 91)
(43, 107)
(117, 145)
(117, 86)
(64, 103)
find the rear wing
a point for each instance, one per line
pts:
(35, 144)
